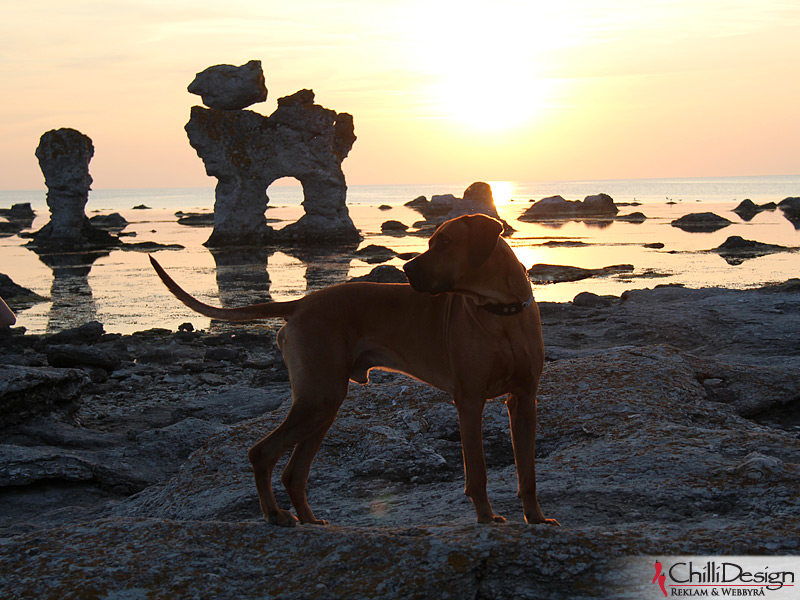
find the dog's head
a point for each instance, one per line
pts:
(459, 247)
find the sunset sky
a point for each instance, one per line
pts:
(441, 91)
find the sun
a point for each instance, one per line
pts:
(484, 62)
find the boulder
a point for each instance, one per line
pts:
(20, 216)
(374, 254)
(701, 222)
(114, 221)
(383, 274)
(228, 87)
(477, 199)
(599, 205)
(735, 250)
(634, 217)
(791, 210)
(247, 151)
(394, 228)
(64, 156)
(542, 273)
(195, 219)
(16, 296)
(29, 391)
(747, 209)
(557, 208)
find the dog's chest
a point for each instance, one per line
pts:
(501, 363)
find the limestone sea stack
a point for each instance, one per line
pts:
(247, 152)
(64, 156)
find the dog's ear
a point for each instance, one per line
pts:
(483, 235)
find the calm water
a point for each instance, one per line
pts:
(120, 289)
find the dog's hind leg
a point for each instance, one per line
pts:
(304, 427)
(295, 474)
(319, 376)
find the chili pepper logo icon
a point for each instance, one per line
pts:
(660, 577)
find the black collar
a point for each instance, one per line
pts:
(508, 310)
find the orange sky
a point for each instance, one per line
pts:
(441, 91)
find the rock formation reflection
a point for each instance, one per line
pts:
(71, 294)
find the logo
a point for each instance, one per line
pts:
(660, 578)
(763, 576)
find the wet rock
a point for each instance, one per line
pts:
(477, 199)
(373, 254)
(394, 228)
(556, 207)
(791, 210)
(195, 219)
(64, 156)
(747, 209)
(150, 247)
(228, 87)
(701, 222)
(635, 217)
(420, 202)
(735, 250)
(114, 221)
(542, 273)
(247, 151)
(16, 296)
(19, 216)
(383, 274)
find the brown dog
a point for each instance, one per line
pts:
(476, 334)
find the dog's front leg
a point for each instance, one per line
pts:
(470, 421)
(522, 416)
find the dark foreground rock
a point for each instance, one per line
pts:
(666, 427)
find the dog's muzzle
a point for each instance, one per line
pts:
(420, 281)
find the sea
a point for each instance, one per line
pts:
(120, 289)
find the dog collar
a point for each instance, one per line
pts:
(508, 310)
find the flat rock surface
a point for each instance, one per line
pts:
(669, 423)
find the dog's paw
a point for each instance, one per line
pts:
(542, 521)
(282, 518)
(492, 519)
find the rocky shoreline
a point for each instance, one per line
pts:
(669, 424)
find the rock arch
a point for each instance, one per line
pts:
(247, 152)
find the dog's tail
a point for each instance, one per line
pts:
(244, 313)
